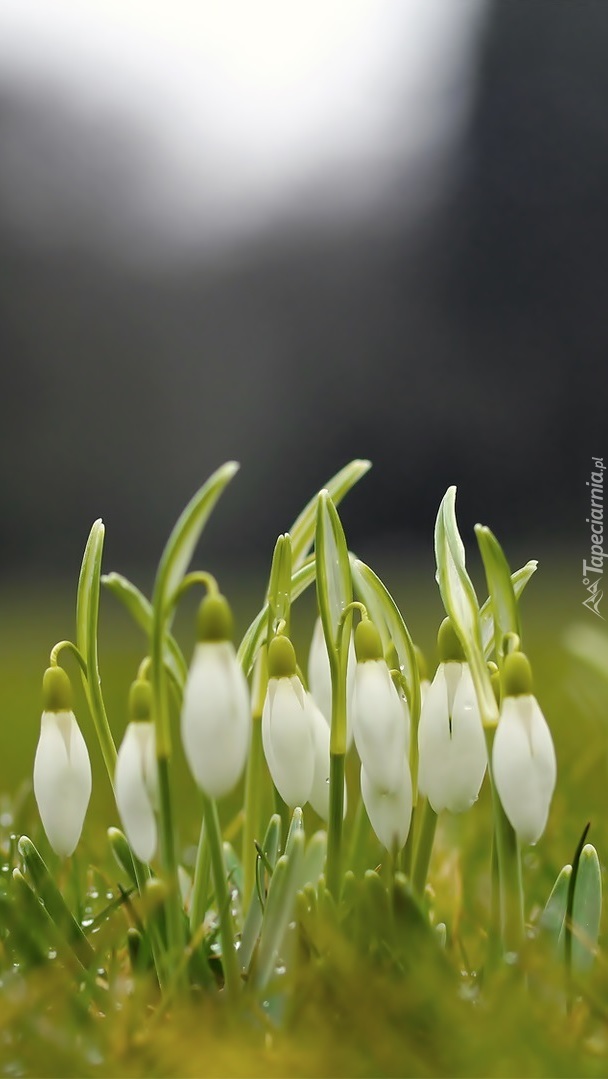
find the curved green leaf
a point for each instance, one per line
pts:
(500, 587)
(334, 583)
(278, 913)
(140, 610)
(519, 580)
(586, 910)
(460, 602)
(279, 587)
(255, 635)
(552, 917)
(87, 617)
(172, 568)
(303, 529)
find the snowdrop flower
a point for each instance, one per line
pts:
(287, 731)
(136, 777)
(451, 742)
(319, 678)
(62, 770)
(319, 794)
(216, 714)
(379, 719)
(523, 757)
(389, 811)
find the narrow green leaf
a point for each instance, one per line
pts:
(279, 587)
(569, 919)
(381, 605)
(253, 920)
(255, 635)
(302, 530)
(123, 854)
(296, 826)
(519, 580)
(87, 617)
(500, 586)
(278, 913)
(334, 583)
(314, 859)
(140, 610)
(54, 902)
(460, 602)
(173, 565)
(552, 918)
(29, 933)
(586, 910)
(186, 533)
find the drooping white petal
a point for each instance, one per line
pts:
(319, 794)
(451, 744)
(288, 741)
(62, 780)
(216, 718)
(136, 788)
(389, 812)
(524, 766)
(379, 724)
(319, 678)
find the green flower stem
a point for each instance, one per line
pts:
(200, 576)
(96, 705)
(358, 837)
(508, 859)
(200, 884)
(230, 964)
(407, 854)
(175, 927)
(424, 848)
(336, 815)
(338, 663)
(253, 827)
(70, 647)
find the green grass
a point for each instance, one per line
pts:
(350, 1007)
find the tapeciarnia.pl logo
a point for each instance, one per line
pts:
(593, 570)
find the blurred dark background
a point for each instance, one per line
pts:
(431, 296)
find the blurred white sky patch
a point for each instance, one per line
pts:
(172, 123)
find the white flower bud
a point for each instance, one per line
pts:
(136, 788)
(319, 794)
(288, 741)
(319, 678)
(216, 717)
(379, 724)
(62, 780)
(389, 812)
(451, 743)
(524, 765)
